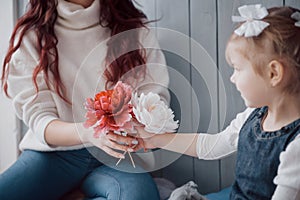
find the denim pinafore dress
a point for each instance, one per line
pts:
(258, 157)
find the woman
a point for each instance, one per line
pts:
(46, 50)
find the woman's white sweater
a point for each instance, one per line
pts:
(82, 50)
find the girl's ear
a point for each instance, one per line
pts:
(275, 72)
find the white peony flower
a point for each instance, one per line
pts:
(152, 112)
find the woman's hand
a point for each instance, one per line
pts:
(59, 133)
(111, 142)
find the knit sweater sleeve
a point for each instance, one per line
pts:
(288, 179)
(157, 76)
(37, 110)
(220, 145)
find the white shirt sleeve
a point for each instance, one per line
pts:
(37, 111)
(288, 176)
(157, 76)
(220, 145)
(283, 192)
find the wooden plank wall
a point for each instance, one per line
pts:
(208, 24)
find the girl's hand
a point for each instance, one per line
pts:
(146, 139)
(111, 142)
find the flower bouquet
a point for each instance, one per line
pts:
(119, 110)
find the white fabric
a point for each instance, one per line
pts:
(220, 145)
(251, 15)
(216, 146)
(296, 16)
(283, 192)
(78, 32)
(187, 191)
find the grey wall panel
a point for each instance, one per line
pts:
(204, 63)
(227, 171)
(293, 3)
(207, 176)
(149, 8)
(204, 81)
(174, 16)
(21, 7)
(233, 102)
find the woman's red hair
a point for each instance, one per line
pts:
(117, 15)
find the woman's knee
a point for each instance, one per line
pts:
(29, 161)
(38, 175)
(113, 184)
(23, 175)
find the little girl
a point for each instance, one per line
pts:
(265, 53)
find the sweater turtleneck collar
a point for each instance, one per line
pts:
(75, 16)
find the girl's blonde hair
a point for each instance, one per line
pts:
(279, 41)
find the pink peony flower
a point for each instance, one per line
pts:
(110, 110)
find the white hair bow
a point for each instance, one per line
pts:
(251, 15)
(296, 16)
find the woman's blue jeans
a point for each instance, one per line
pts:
(50, 175)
